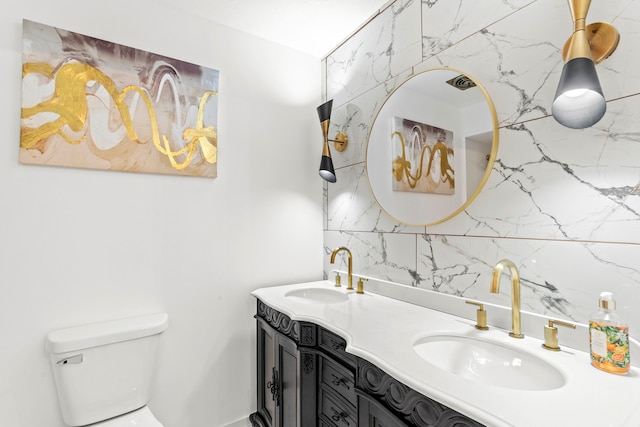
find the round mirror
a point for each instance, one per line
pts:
(431, 147)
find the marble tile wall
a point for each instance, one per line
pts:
(562, 204)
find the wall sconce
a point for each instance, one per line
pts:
(340, 143)
(579, 102)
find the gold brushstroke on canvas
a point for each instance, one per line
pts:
(402, 167)
(69, 103)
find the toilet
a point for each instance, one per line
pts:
(104, 371)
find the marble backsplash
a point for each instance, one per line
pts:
(561, 203)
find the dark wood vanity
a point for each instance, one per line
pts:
(306, 378)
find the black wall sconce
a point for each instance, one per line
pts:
(340, 143)
(579, 102)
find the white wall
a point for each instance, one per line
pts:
(79, 246)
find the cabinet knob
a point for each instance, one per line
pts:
(339, 382)
(339, 416)
(336, 345)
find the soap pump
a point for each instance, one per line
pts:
(609, 337)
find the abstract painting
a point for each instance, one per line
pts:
(90, 103)
(422, 158)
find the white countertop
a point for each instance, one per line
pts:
(383, 330)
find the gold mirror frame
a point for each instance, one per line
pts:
(378, 162)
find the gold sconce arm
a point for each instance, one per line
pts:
(341, 141)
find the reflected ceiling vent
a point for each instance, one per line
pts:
(461, 82)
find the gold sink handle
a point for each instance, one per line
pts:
(551, 334)
(481, 316)
(360, 286)
(338, 280)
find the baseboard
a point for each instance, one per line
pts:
(243, 422)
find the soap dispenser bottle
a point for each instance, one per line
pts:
(609, 338)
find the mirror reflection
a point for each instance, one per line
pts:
(431, 147)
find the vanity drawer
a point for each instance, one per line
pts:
(335, 345)
(334, 410)
(338, 378)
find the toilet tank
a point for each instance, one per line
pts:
(105, 369)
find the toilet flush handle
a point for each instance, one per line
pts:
(73, 360)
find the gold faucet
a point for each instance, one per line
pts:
(349, 265)
(515, 293)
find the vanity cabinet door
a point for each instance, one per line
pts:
(286, 381)
(267, 376)
(277, 379)
(287, 356)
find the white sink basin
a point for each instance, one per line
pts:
(317, 295)
(488, 362)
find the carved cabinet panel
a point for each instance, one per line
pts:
(373, 414)
(383, 397)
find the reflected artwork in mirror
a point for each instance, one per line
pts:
(431, 147)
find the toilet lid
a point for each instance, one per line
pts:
(139, 418)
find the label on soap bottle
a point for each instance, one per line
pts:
(598, 342)
(609, 347)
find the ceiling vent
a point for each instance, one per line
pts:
(461, 82)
